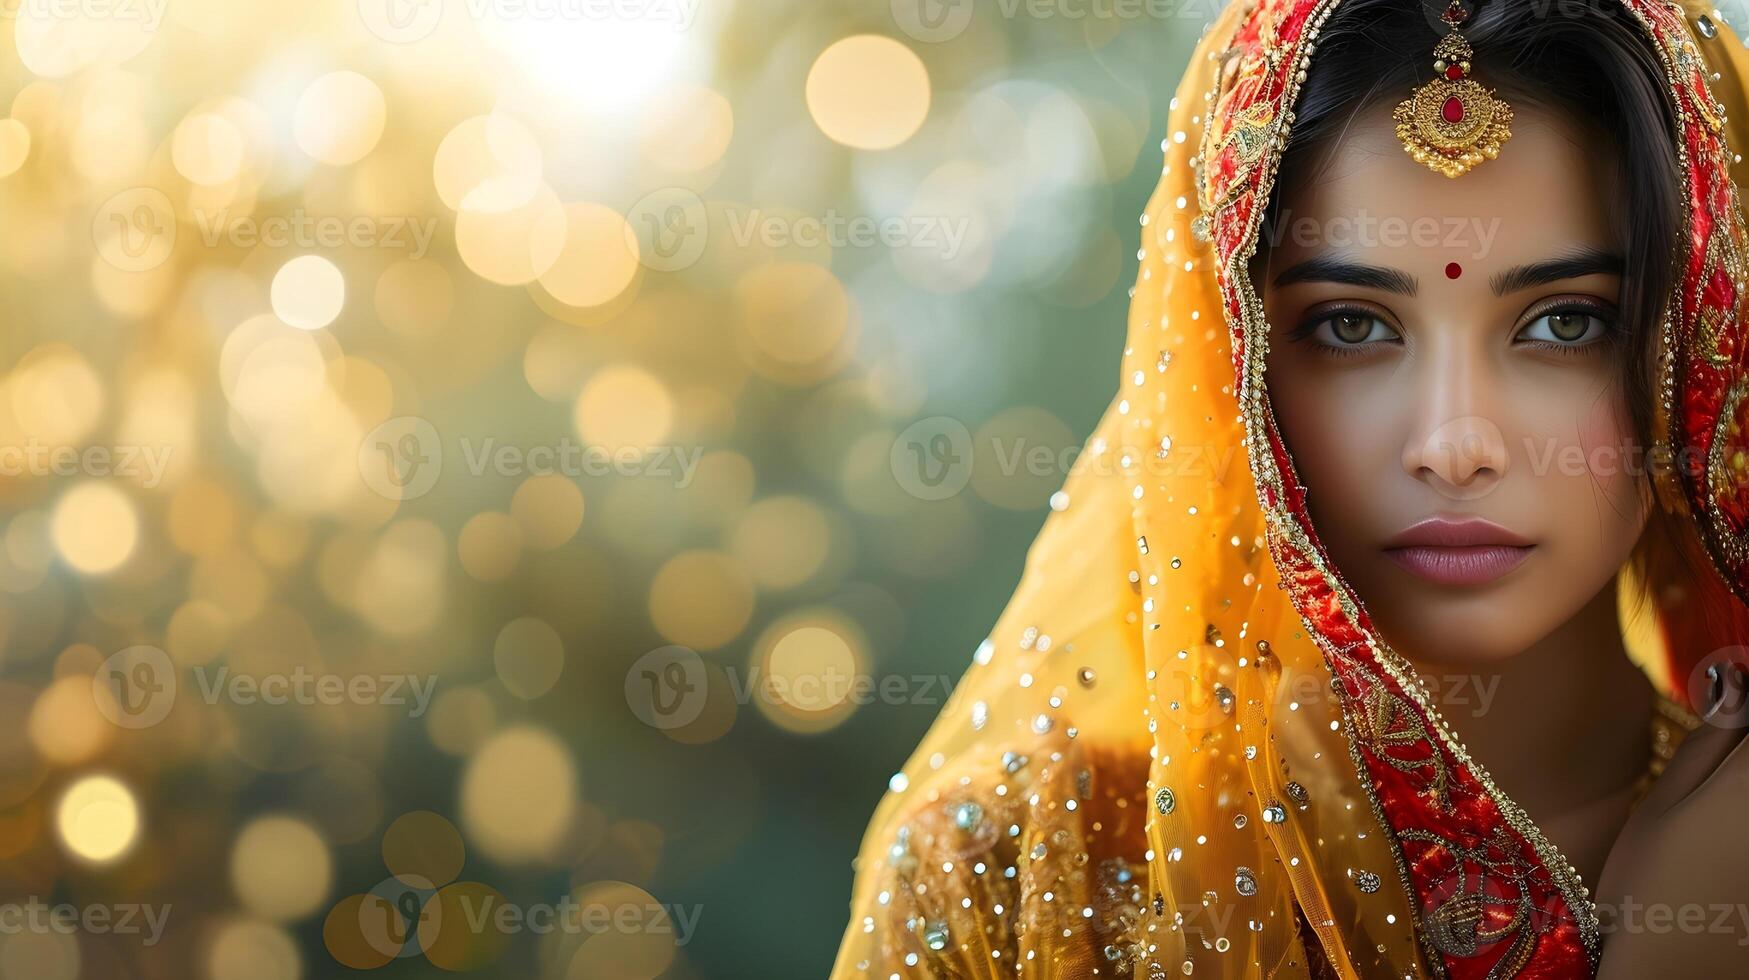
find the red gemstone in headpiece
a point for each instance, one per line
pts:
(1453, 110)
(1455, 14)
(1454, 72)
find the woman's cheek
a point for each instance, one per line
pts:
(1344, 447)
(1595, 479)
(1607, 436)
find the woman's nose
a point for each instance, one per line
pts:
(1463, 457)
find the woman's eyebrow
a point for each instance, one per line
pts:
(1325, 268)
(1585, 262)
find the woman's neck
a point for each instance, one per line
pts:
(1562, 727)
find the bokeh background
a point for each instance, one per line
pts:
(498, 486)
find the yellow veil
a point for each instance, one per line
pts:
(1147, 771)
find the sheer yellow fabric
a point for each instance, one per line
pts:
(1148, 664)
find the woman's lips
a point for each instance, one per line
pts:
(1463, 565)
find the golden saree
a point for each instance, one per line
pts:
(1184, 749)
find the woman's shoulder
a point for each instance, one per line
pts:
(1032, 850)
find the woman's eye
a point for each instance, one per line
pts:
(1570, 328)
(1352, 330)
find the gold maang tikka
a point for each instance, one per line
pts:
(1452, 123)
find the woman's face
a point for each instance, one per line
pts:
(1445, 366)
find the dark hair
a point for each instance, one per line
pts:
(1592, 65)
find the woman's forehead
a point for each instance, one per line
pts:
(1370, 201)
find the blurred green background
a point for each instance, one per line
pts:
(498, 486)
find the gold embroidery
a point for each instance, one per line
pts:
(1252, 131)
(1456, 926)
(1727, 461)
(1686, 77)
(1377, 722)
(1722, 250)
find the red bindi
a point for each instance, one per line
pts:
(1453, 270)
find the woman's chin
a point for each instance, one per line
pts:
(1464, 632)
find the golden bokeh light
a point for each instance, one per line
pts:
(400, 585)
(490, 546)
(448, 944)
(515, 245)
(356, 932)
(796, 321)
(14, 146)
(599, 259)
(782, 541)
(624, 408)
(281, 868)
(689, 129)
(98, 819)
(275, 375)
(488, 164)
(423, 849)
(209, 149)
(339, 118)
(869, 92)
(246, 949)
(548, 508)
(529, 656)
(56, 397)
(461, 718)
(309, 292)
(65, 725)
(112, 138)
(518, 795)
(198, 630)
(701, 599)
(813, 672)
(556, 361)
(95, 527)
(56, 41)
(643, 950)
